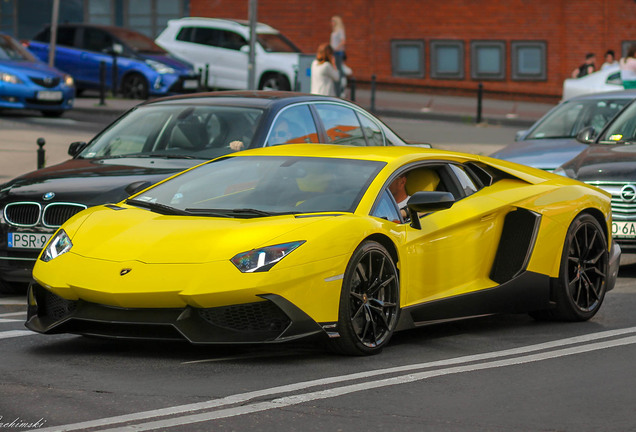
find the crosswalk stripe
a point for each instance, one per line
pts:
(15, 333)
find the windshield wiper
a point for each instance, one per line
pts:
(150, 155)
(238, 213)
(158, 208)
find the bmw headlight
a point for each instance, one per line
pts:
(263, 259)
(160, 67)
(9, 78)
(68, 81)
(59, 244)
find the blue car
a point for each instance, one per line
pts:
(28, 83)
(143, 68)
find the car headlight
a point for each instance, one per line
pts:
(59, 244)
(159, 67)
(9, 78)
(263, 259)
(68, 81)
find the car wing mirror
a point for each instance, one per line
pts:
(137, 186)
(118, 49)
(245, 49)
(427, 202)
(76, 148)
(586, 135)
(520, 135)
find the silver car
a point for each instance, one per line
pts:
(551, 141)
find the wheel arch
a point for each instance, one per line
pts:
(266, 73)
(386, 242)
(600, 218)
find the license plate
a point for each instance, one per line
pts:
(27, 240)
(50, 95)
(623, 229)
(190, 84)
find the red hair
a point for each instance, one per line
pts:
(324, 53)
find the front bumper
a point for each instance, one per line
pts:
(270, 321)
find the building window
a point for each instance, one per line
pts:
(407, 57)
(625, 46)
(151, 16)
(488, 60)
(528, 61)
(100, 12)
(447, 59)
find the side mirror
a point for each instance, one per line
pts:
(118, 49)
(245, 49)
(137, 186)
(586, 135)
(76, 148)
(520, 135)
(426, 202)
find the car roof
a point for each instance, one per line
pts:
(618, 94)
(255, 98)
(244, 24)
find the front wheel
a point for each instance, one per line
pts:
(582, 282)
(369, 301)
(134, 86)
(274, 81)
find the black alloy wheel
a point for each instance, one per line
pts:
(369, 302)
(134, 86)
(583, 273)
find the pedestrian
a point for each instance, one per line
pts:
(337, 42)
(610, 59)
(628, 68)
(586, 68)
(324, 74)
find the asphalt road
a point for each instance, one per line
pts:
(497, 373)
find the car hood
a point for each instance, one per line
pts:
(546, 154)
(605, 163)
(91, 181)
(128, 233)
(29, 67)
(170, 60)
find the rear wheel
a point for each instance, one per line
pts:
(582, 282)
(134, 86)
(369, 301)
(274, 81)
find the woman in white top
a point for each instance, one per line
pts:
(323, 72)
(628, 68)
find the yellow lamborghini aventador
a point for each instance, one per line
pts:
(280, 243)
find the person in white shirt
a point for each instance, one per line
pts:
(628, 68)
(324, 74)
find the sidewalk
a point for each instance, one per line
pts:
(399, 104)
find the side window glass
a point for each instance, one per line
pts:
(294, 125)
(231, 40)
(65, 36)
(615, 78)
(341, 124)
(467, 185)
(205, 36)
(386, 208)
(185, 34)
(372, 131)
(97, 40)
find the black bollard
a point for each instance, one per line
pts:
(40, 142)
(115, 73)
(372, 93)
(102, 82)
(207, 76)
(352, 86)
(480, 95)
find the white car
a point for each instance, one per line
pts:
(219, 48)
(604, 80)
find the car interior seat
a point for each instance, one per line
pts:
(422, 179)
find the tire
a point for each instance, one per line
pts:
(582, 283)
(369, 301)
(274, 81)
(134, 86)
(52, 114)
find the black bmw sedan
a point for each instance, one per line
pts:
(157, 139)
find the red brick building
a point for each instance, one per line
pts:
(516, 48)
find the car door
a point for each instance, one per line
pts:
(95, 45)
(453, 252)
(199, 45)
(231, 69)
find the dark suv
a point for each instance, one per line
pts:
(143, 68)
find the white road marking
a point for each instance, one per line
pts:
(5, 320)
(10, 314)
(15, 333)
(12, 301)
(443, 366)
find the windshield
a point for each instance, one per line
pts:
(253, 186)
(572, 116)
(202, 132)
(276, 42)
(11, 50)
(623, 129)
(137, 41)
